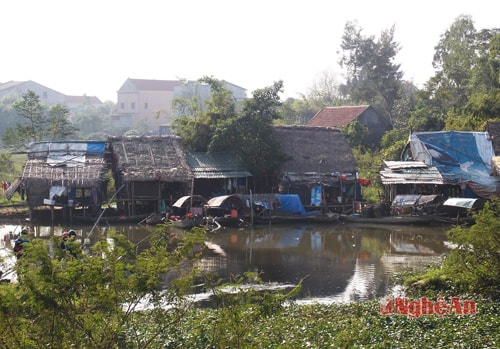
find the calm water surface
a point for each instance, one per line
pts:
(337, 263)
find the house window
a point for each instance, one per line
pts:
(45, 94)
(132, 105)
(146, 105)
(122, 105)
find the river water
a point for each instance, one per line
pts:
(336, 262)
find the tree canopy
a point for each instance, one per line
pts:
(463, 94)
(39, 123)
(219, 126)
(371, 75)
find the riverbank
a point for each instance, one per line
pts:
(14, 212)
(354, 325)
(19, 214)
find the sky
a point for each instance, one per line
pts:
(91, 47)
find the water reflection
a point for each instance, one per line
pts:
(336, 262)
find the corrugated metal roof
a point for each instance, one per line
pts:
(217, 165)
(429, 175)
(394, 165)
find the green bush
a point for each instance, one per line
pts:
(473, 266)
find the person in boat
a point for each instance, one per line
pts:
(20, 243)
(70, 244)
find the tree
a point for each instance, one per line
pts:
(60, 128)
(483, 104)
(463, 94)
(250, 135)
(454, 59)
(393, 143)
(196, 125)
(356, 135)
(94, 122)
(93, 301)
(8, 114)
(325, 91)
(38, 124)
(298, 111)
(473, 265)
(371, 76)
(33, 129)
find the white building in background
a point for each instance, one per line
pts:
(47, 95)
(150, 101)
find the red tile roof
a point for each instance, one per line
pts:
(337, 116)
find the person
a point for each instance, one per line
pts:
(69, 242)
(20, 241)
(64, 237)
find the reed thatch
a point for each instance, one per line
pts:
(150, 158)
(69, 164)
(313, 152)
(66, 163)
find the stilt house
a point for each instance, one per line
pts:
(218, 174)
(65, 174)
(446, 163)
(150, 173)
(320, 168)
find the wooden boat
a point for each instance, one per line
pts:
(228, 211)
(281, 219)
(284, 219)
(399, 219)
(115, 219)
(286, 208)
(326, 218)
(187, 212)
(153, 219)
(188, 221)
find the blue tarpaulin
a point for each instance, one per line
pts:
(291, 203)
(462, 158)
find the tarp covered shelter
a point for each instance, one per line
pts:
(279, 203)
(462, 158)
(414, 203)
(66, 173)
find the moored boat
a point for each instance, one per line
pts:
(398, 219)
(187, 212)
(115, 219)
(228, 211)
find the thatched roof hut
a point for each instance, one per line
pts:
(150, 168)
(150, 158)
(318, 157)
(58, 169)
(314, 151)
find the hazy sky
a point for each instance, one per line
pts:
(91, 47)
